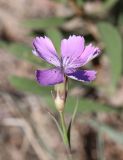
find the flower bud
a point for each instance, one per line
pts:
(60, 97)
(59, 102)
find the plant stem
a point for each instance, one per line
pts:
(60, 101)
(65, 138)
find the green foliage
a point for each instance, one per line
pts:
(45, 23)
(113, 47)
(26, 84)
(71, 123)
(80, 2)
(55, 36)
(120, 20)
(87, 105)
(108, 4)
(23, 52)
(84, 105)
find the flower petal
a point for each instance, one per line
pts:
(89, 53)
(83, 75)
(43, 47)
(71, 48)
(49, 77)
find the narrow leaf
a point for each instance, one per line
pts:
(80, 2)
(55, 36)
(57, 124)
(23, 52)
(84, 105)
(107, 5)
(70, 124)
(44, 23)
(113, 47)
(28, 85)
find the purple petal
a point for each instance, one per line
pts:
(89, 53)
(49, 77)
(71, 48)
(83, 75)
(43, 47)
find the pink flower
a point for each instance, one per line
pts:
(74, 54)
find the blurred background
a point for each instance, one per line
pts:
(27, 131)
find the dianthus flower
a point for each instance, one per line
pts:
(74, 54)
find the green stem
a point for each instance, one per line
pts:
(65, 138)
(60, 100)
